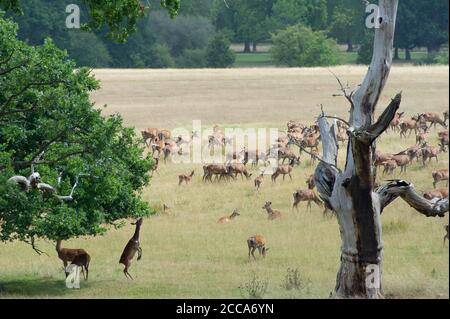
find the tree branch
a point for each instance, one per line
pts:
(398, 188)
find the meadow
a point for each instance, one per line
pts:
(189, 255)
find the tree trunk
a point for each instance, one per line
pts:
(247, 47)
(254, 47)
(408, 55)
(396, 55)
(349, 45)
(351, 193)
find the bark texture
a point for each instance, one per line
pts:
(351, 193)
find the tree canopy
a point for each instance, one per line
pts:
(48, 122)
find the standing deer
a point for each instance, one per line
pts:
(440, 175)
(284, 170)
(257, 242)
(272, 214)
(306, 196)
(68, 255)
(227, 219)
(259, 182)
(131, 248)
(185, 178)
(83, 260)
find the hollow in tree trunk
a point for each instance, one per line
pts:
(350, 193)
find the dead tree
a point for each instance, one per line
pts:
(351, 193)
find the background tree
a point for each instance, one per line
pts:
(301, 47)
(218, 52)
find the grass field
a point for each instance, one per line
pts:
(187, 254)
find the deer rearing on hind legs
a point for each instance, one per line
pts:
(131, 248)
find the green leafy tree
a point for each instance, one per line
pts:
(88, 50)
(299, 46)
(218, 52)
(120, 17)
(347, 22)
(365, 51)
(48, 122)
(192, 59)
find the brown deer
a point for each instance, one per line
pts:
(440, 175)
(83, 260)
(395, 123)
(272, 214)
(257, 242)
(284, 170)
(380, 158)
(422, 136)
(429, 152)
(259, 182)
(227, 219)
(434, 119)
(150, 134)
(410, 125)
(439, 193)
(306, 196)
(239, 169)
(389, 167)
(402, 161)
(185, 178)
(131, 248)
(310, 182)
(220, 171)
(67, 255)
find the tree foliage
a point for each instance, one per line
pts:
(299, 46)
(47, 119)
(218, 52)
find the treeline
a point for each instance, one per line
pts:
(302, 32)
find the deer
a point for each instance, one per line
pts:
(227, 219)
(83, 260)
(395, 123)
(429, 152)
(150, 134)
(131, 248)
(439, 193)
(272, 214)
(439, 176)
(380, 158)
(284, 170)
(402, 161)
(259, 182)
(155, 166)
(422, 137)
(219, 170)
(185, 178)
(434, 119)
(410, 125)
(67, 255)
(310, 182)
(389, 166)
(306, 196)
(239, 169)
(257, 242)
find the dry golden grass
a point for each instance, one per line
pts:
(187, 254)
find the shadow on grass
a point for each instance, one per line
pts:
(39, 287)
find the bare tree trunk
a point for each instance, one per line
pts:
(351, 193)
(247, 47)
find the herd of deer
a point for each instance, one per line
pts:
(307, 138)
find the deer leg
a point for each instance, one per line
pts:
(290, 176)
(253, 253)
(139, 253)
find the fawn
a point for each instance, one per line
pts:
(272, 214)
(257, 242)
(227, 219)
(185, 178)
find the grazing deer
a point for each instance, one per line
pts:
(410, 125)
(83, 260)
(259, 182)
(257, 242)
(220, 171)
(380, 158)
(434, 119)
(402, 161)
(272, 214)
(446, 235)
(439, 193)
(389, 167)
(67, 255)
(227, 219)
(429, 152)
(239, 169)
(131, 248)
(185, 178)
(284, 170)
(440, 175)
(306, 196)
